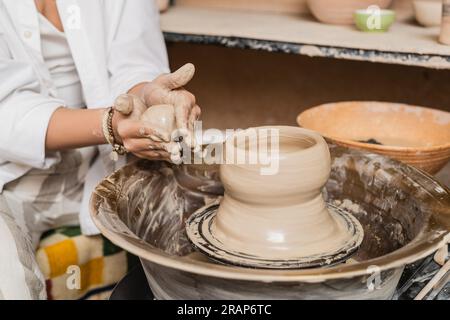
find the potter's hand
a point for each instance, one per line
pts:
(136, 135)
(168, 89)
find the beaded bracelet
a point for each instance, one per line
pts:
(108, 132)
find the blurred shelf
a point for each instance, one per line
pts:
(405, 44)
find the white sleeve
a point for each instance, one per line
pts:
(24, 112)
(138, 52)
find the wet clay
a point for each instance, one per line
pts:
(282, 216)
(161, 118)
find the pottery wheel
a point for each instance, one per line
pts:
(199, 226)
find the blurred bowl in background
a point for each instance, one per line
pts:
(415, 135)
(404, 10)
(428, 12)
(387, 18)
(341, 11)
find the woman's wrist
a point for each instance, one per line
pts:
(74, 128)
(111, 134)
(117, 117)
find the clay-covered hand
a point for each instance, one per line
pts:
(138, 136)
(168, 89)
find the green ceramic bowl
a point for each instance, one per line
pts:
(370, 21)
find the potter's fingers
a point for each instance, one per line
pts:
(163, 133)
(182, 101)
(145, 144)
(124, 104)
(147, 131)
(182, 112)
(175, 150)
(139, 105)
(194, 116)
(178, 78)
(156, 134)
(130, 105)
(137, 129)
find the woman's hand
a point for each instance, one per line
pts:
(136, 136)
(168, 89)
(77, 128)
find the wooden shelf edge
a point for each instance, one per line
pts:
(401, 58)
(405, 44)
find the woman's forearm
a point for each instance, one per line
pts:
(74, 128)
(77, 128)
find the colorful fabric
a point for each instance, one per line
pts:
(44, 200)
(41, 200)
(80, 267)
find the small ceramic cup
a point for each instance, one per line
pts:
(376, 20)
(341, 11)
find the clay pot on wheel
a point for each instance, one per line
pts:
(341, 11)
(276, 219)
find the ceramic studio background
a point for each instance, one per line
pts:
(280, 85)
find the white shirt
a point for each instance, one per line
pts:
(115, 45)
(61, 66)
(59, 61)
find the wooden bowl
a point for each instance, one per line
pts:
(415, 135)
(341, 11)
